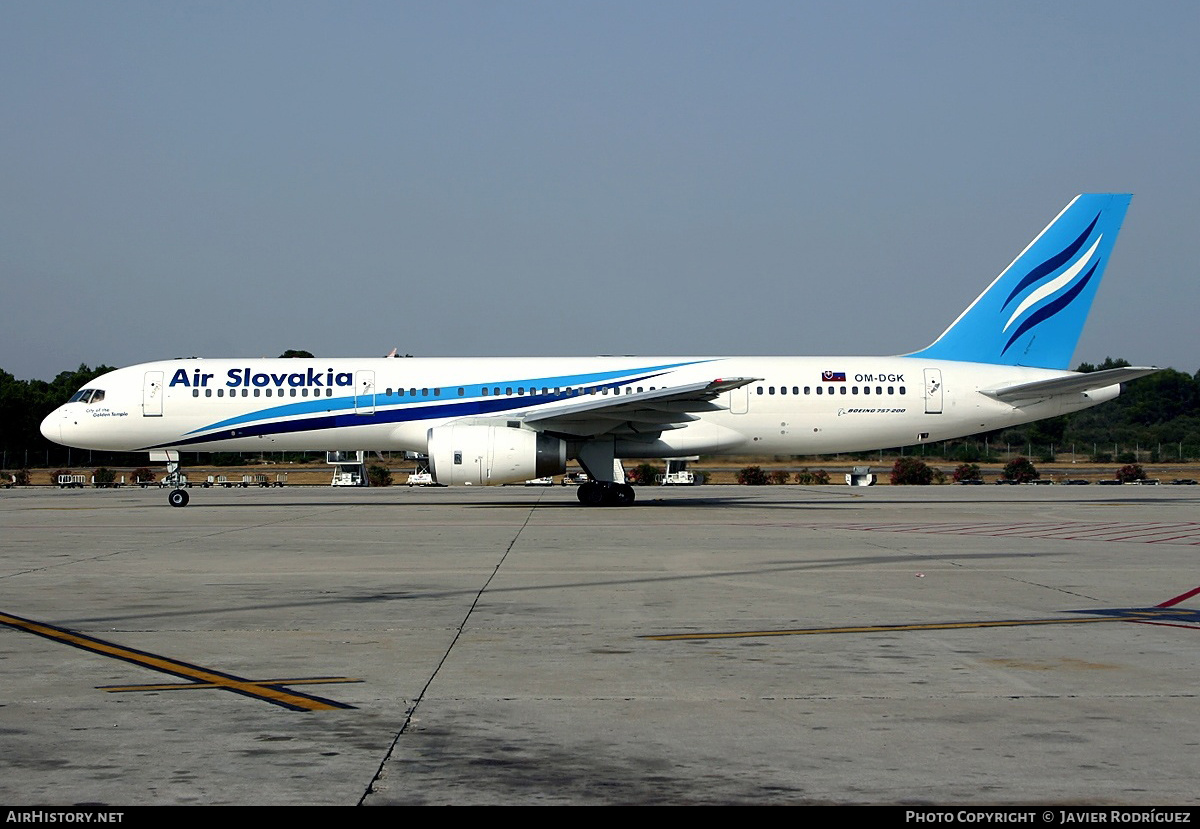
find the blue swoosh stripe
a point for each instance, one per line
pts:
(326, 404)
(339, 421)
(1050, 309)
(1052, 264)
(408, 413)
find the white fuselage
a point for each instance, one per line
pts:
(801, 405)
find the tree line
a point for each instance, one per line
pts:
(24, 404)
(1157, 416)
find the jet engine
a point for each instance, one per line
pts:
(488, 455)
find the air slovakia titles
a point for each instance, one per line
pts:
(238, 377)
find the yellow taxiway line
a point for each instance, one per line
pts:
(267, 690)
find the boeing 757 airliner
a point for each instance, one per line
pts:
(498, 420)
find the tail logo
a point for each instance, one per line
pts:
(1051, 294)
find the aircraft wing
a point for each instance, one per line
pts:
(643, 414)
(1069, 384)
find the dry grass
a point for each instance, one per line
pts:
(716, 471)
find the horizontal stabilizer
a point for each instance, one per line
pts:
(1069, 384)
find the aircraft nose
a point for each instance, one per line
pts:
(52, 426)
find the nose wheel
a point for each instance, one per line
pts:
(178, 498)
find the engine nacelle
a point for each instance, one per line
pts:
(488, 455)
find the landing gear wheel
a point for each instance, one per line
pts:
(621, 495)
(591, 494)
(178, 498)
(600, 494)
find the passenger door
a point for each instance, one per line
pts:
(152, 394)
(364, 392)
(933, 391)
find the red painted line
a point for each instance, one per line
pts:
(1028, 532)
(1151, 531)
(1175, 538)
(1163, 624)
(1180, 598)
(1099, 530)
(1163, 527)
(1118, 532)
(1185, 532)
(981, 528)
(886, 528)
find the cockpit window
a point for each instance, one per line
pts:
(87, 396)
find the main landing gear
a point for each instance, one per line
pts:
(605, 494)
(607, 487)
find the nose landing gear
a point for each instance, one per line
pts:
(173, 478)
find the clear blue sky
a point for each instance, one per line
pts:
(232, 179)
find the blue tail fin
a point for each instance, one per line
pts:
(1033, 313)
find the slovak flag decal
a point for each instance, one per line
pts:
(833, 376)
